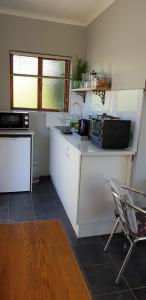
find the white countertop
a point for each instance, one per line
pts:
(16, 132)
(86, 148)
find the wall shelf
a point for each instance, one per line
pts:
(97, 91)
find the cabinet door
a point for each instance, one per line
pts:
(15, 164)
(57, 161)
(71, 182)
(96, 202)
(65, 172)
(52, 156)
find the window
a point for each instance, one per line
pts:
(39, 82)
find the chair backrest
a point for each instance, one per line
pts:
(122, 198)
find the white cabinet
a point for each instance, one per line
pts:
(65, 173)
(81, 183)
(15, 164)
(71, 177)
(96, 206)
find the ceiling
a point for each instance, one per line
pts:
(77, 12)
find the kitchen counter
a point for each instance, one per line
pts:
(86, 148)
(16, 132)
(79, 171)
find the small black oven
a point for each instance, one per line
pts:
(109, 132)
(14, 120)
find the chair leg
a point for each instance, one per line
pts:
(113, 231)
(125, 263)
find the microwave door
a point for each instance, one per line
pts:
(11, 120)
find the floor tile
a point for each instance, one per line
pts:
(55, 195)
(102, 278)
(118, 249)
(98, 267)
(135, 273)
(117, 237)
(64, 218)
(52, 189)
(41, 187)
(89, 240)
(117, 296)
(3, 221)
(92, 254)
(44, 210)
(43, 195)
(71, 235)
(21, 220)
(20, 206)
(141, 246)
(4, 203)
(140, 293)
(42, 198)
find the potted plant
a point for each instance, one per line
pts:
(81, 68)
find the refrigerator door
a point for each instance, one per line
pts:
(15, 164)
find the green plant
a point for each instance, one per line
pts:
(81, 68)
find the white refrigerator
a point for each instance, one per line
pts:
(15, 164)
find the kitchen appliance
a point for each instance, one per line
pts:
(109, 132)
(15, 166)
(83, 127)
(14, 120)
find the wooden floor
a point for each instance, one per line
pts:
(37, 263)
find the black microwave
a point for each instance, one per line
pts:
(109, 132)
(14, 120)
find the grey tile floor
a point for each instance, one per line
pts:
(99, 268)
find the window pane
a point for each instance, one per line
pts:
(25, 65)
(53, 94)
(53, 68)
(24, 92)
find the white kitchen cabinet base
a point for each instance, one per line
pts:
(81, 182)
(85, 230)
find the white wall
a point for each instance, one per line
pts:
(38, 36)
(139, 164)
(116, 42)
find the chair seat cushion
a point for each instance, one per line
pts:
(141, 220)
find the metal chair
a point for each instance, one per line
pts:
(131, 218)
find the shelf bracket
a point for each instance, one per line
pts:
(101, 94)
(82, 94)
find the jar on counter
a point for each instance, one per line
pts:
(103, 80)
(93, 78)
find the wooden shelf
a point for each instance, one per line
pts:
(91, 89)
(100, 91)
